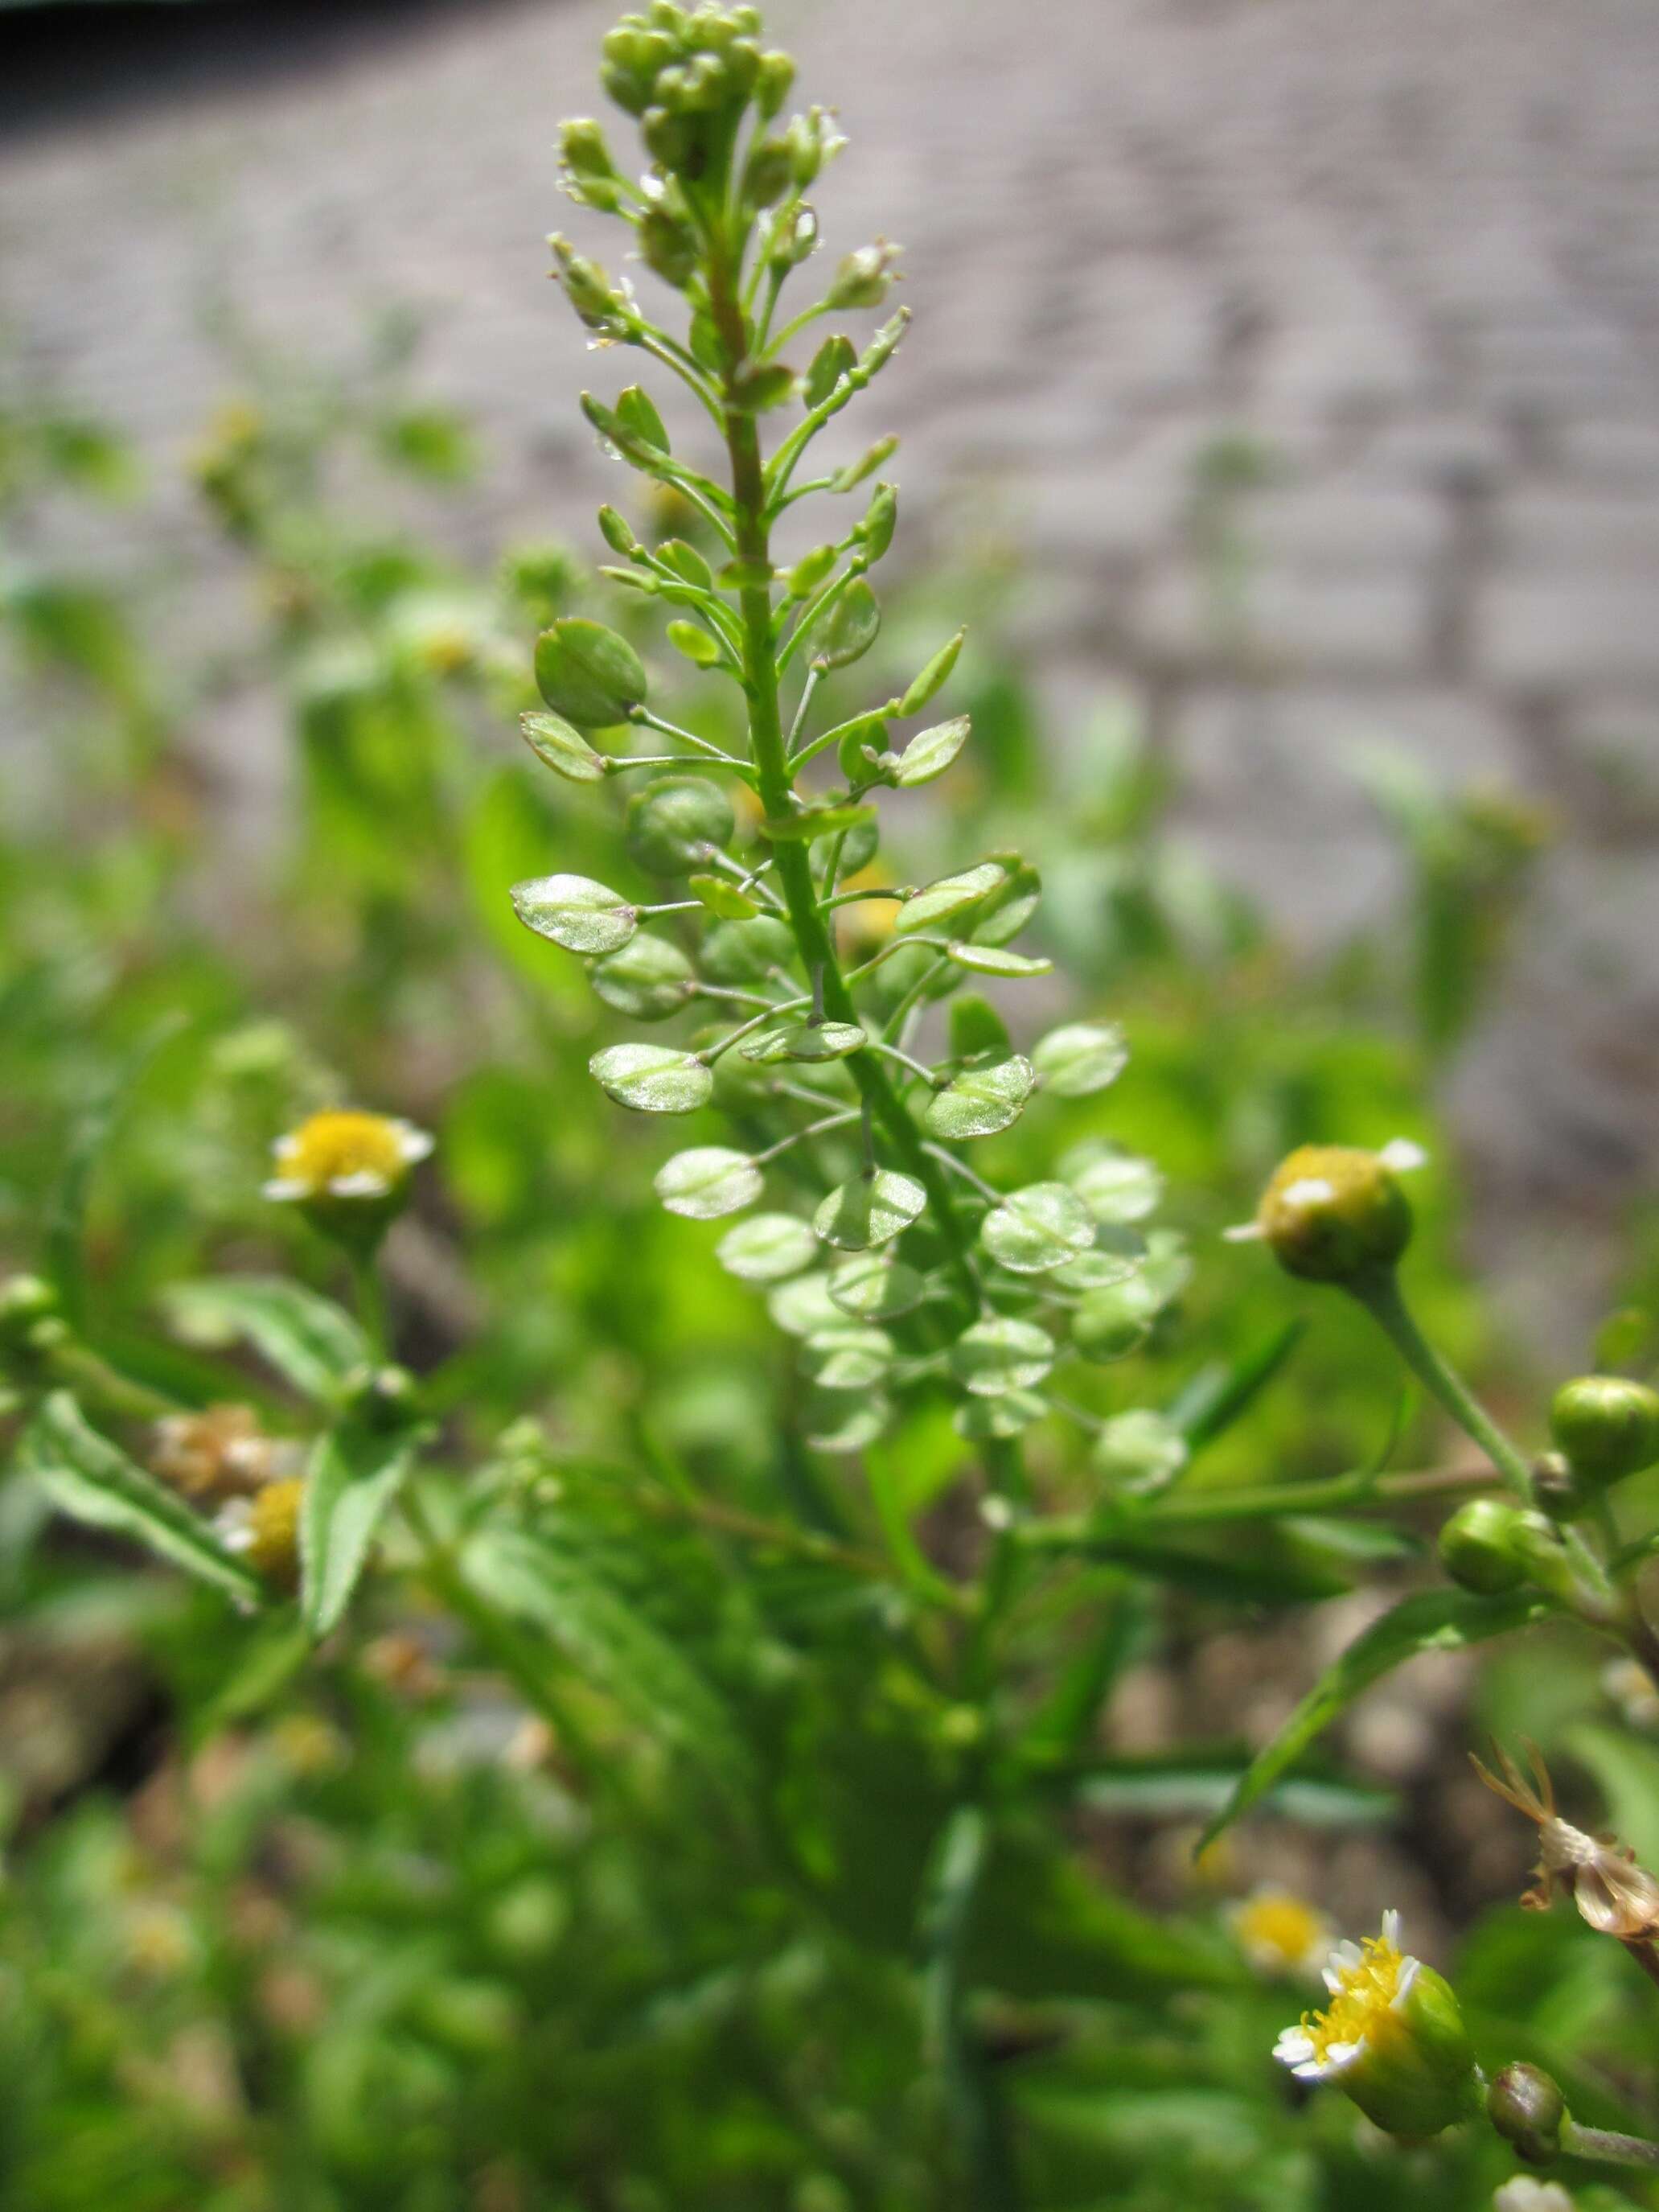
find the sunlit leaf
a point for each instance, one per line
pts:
(708, 1181)
(576, 912)
(652, 1079)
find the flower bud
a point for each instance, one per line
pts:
(380, 1397)
(793, 240)
(769, 172)
(668, 247)
(773, 79)
(617, 533)
(1528, 2109)
(583, 151)
(863, 277)
(1392, 2037)
(586, 285)
(25, 1302)
(1608, 1427)
(632, 60)
(1333, 1213)
(1560, 1492)
(672, 139)
(804, 140)
(1478, 1547)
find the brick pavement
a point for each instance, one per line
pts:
(1410, 253)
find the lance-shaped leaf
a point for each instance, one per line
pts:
(310, 1341)
(1042, 1226)
(652, 1078)
(929, 755)
(723, 900)
(576, 912)
(1431, 1621)
(356, 1473)
(598, 1632)
(1082, 1057)
(768, 1249)
(950, 895)
(869, 1209)
(565, 750)
(708, 1181)
(587, 674)
(981, 1100)
(89, 1478)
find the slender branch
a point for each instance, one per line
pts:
(1381, 1297)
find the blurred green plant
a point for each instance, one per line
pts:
(797, 1888)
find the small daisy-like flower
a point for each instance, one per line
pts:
(1334, 1212)
(1612, 1893)
(221, 1452)
(346, 1155)
(1523, 2194)
(1281, 1933)
(265, 1529)
(1392, 2037)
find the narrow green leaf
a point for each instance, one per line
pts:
(91, 1480)
(1431, 1621)
(637, 413)
(950, 895)
(607, 1640)
(311, 1342)
(996, 960)
(932, 679)
(355, 1475)
(723, 900)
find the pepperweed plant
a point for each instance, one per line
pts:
(844, 1733)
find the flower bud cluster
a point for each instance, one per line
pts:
(688, 76)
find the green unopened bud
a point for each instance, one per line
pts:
(1527, 2110)
(1607, 1427)
(381, 1397)
(768, 174)
(793, 239)
(863, 278)
(583, 151)
(587, 287)
(1392, 2039)
(773, 79)
(632, 59)
(1559, 1492)
(1332, 1213)
(616, 532)
(671, 139)
(668, 247)
(1479, 1550)
(26, 1301)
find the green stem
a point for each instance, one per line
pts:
(813, 940)
(1381, 1297)
(369, 1293)
(956, 2048)
(1609, 2148)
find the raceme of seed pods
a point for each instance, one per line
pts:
(808, 990)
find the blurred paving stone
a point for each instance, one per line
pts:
(1407, 255)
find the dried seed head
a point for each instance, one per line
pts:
(1612, 1893)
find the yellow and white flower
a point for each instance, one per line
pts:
(345, 1155)
(1392, 2037)
(1281, 1933)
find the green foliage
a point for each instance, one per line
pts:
(673, 1758)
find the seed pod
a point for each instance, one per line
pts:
(667, 245)
(583, 151)
(880, 521)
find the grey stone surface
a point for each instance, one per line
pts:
(1408, 253)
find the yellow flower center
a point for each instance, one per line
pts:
(330, 1145)
(1280, 1925)
(1364, 1991)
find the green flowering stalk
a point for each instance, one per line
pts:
(825, 1052)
